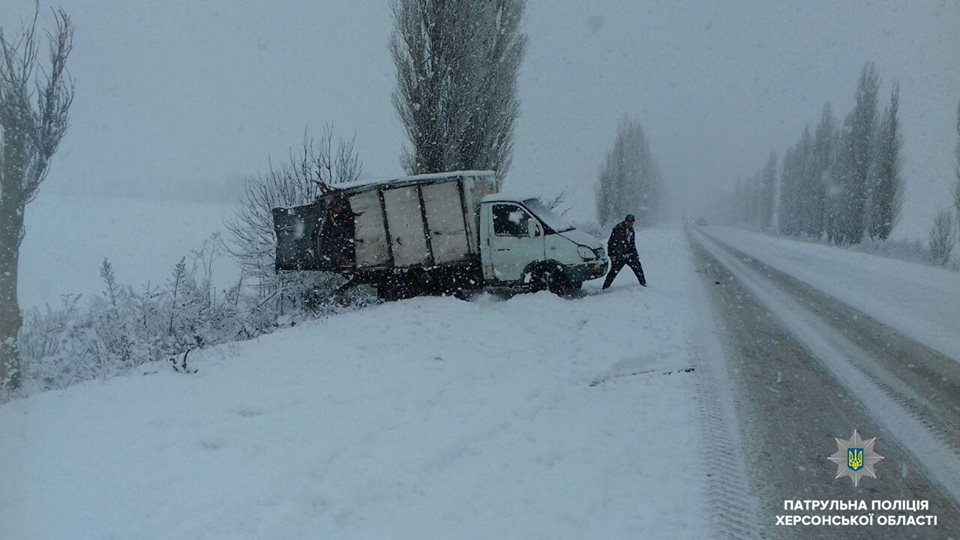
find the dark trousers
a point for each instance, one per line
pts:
(633, 261)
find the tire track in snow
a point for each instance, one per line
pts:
(731, 505)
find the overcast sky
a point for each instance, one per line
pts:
(184, 97)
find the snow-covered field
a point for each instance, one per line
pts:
(919, 300)
(68, 237)
(527, 417)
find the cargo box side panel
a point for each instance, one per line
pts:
(370, 234)
(296, 230)
(406, 227)
(448, 234)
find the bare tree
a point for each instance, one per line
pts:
(313, 170)
(956, 187)
(629, 178)
(887, 183)
(943, 234)
(457, 65)
(555, 202)
(789, 207)
(768, 205)
(857, 154)
(34, 106)
(821, 180)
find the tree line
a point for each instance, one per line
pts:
(842, 181)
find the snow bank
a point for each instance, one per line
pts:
(427, 418)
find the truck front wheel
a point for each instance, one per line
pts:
(551, 279)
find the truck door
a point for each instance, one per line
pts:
(516, 240)
(297, 232)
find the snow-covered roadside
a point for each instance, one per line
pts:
(919, 300)
(427, 418)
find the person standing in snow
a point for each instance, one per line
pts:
(623, 251)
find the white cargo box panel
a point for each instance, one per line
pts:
(405, 222)
(445, 222)
(370, 233)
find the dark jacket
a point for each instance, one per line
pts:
(621, 242)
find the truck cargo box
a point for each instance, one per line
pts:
(415, 221)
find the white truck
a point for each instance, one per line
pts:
(433, 233)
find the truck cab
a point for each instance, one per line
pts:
(525, 244)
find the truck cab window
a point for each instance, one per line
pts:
(510, 220)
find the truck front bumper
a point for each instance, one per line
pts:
(587, 270)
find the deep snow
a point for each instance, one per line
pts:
(426, 418)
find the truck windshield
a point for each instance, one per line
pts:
(549, 217)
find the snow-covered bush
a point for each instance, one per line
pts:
(123, 328)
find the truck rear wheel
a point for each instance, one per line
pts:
(386, 290)
(401, 285)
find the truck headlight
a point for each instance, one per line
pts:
(586, 253)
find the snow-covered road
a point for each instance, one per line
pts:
(527, 417)
(919, 300)
(809, 368)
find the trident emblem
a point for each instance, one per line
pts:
(855, 458)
